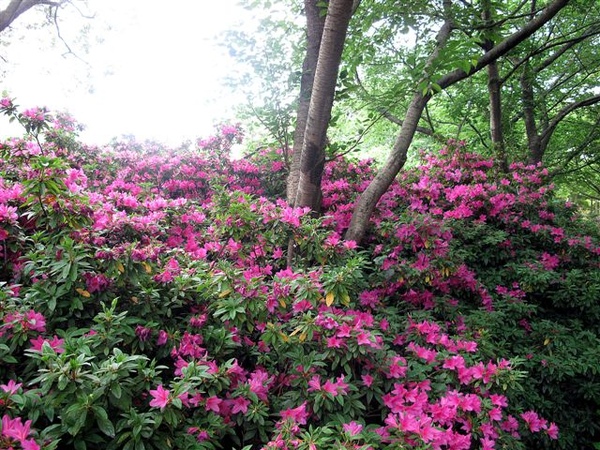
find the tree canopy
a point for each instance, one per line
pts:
(419, 65)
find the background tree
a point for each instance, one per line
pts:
(267, 75)
(15, 8)
(431, 82)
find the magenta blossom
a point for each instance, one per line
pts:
(16, 429)
(160, 397)
(11, 387)
(299, 414)
(56, 344)
(352, 428)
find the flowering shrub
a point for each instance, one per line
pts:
(147, 302)
(497, 254)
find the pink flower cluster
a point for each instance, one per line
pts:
(19, 322)
(15, 431)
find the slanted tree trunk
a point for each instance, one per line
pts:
(384, 178)
(312, 158)
(315, 22)
(368, 200)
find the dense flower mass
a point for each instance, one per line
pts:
(170, 299)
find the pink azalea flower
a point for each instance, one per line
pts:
(162, 338)
(11, 387)
(299, 414)
(314, 384)
(35, 321)
(495, 414)
(213, 404)
(397, 367)
(160, 397)
(552, 431)
(470, 402)
(427, 431)
(549, 262)
(367, 380)
(350, 245)
(534, 421)
(352, 428)
(240, 404)
(404, 422)
(15, 428)
(341, 385)
(259, 383)
(487, 444)
(30, 444)
(56, 344)
(363, 338)
(335, 342)
(498, 400)
(330, 387)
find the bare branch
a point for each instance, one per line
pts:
(562, 170)
(565, 44)
(17, 7)
(423, 130)
(547, 133)
(12, 11)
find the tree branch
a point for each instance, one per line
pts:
(594, 30)
(562, 169)
(506, 45)
(547, 133)
(423, 130)
(17, 7)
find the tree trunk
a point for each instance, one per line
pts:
(496, 131)
(312, 158)
(314, 31)
(494, 86)
(384, 178)
(534, 142)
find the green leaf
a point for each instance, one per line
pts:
(115, 390)
(73, 430)
(62, 382)
(104, 423)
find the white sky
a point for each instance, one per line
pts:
(156, 74)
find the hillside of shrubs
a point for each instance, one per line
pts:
(156, 298)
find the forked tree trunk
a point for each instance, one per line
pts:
(315, 22)
(312, 158)
(538, 136)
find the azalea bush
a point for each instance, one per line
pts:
(149, 300)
